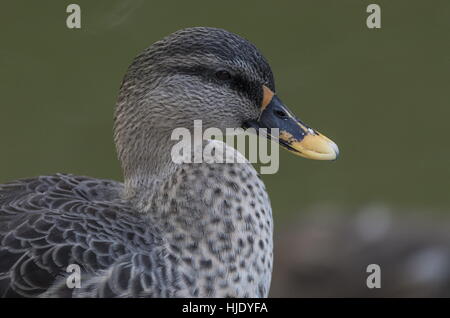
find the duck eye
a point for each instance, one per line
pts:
(223, 75)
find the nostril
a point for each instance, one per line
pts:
(281, 114)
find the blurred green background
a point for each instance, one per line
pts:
(382, 95)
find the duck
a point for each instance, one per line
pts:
(169, 229)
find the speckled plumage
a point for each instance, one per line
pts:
(170, 230)
(201, 239)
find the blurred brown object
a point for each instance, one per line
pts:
(326, 254)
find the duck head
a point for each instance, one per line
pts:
(211, 75)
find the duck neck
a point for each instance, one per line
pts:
(149, 164)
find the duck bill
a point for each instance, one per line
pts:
(294, 135)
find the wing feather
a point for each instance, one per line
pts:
(50, 222)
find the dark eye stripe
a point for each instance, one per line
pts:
(242, 85)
